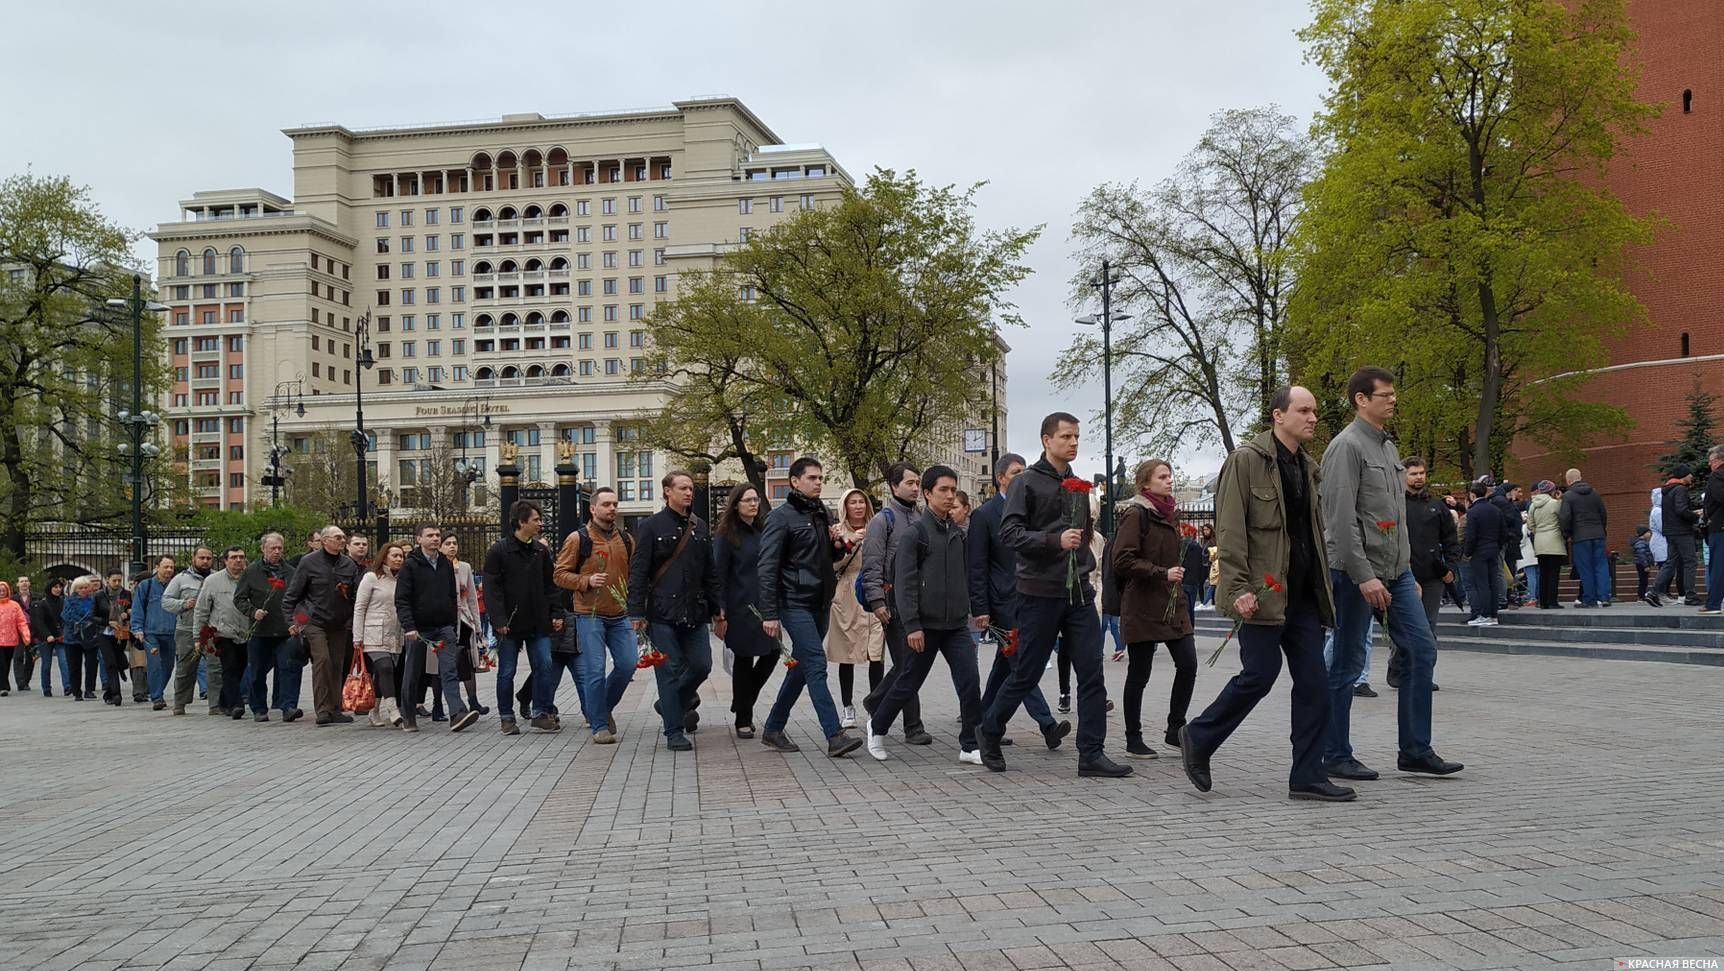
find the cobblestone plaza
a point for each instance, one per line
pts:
(1584, 830)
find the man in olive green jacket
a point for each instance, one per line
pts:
(1274, 581)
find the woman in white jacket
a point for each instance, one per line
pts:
(377, 632)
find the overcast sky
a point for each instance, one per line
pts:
(146, 103)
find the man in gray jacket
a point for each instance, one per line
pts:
(895, 520)
(1370, 560)
(180, 599)
(216, 608)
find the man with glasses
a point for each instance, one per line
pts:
(1370, 559)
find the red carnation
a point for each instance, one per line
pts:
(1011, 643)
(1075, 484)
(276, 583)
(438, 647)
(1270, 582)
(792, 662)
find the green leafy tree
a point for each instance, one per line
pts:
(1697, 437)
(1203, 265)
(65, 358)
(223, 528)
(711, 414)
(1458, 233)
(855, 329)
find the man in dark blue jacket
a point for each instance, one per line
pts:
(1484, 547)
(425, 606)
(796, 588)
(994, 595)
(673, 594)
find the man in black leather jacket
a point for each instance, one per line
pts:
(673, 593)
(797, 547)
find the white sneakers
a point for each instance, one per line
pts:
(972, 757)
(1482, 622)
(848, 718)
(877, 744)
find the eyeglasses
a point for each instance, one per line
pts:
(1383, 394)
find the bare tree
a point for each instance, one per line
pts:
(1202, 259)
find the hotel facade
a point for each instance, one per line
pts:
(505, 270)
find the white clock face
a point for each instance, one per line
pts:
(975, 440)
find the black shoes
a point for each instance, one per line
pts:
(236, 713)
(1322, 792)
(261, 716)
(1428, 764)
(1102, 767)
(1350, 768)
(778, 742)
(990, 748)
(292, 714)
(1363, 691)
(541, 723)
(1056, 733)
(918, 737)
(1135, 748)
(842, 744)
(466, 721)
(679, 743)
(158, 706)
(691, 721)
(342, 717)
(1196, 767)
(1065, 704)
(323, 719)
(1171, 738)
(1651, 600)
(509, 727)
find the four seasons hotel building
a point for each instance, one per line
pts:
(507, 268)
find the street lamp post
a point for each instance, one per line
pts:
(361, 442)
(276, 450)
(138, 422)
(1105, 283)
(470, 470)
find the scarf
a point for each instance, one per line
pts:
(1166, 505)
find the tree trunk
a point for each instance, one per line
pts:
(21, 492)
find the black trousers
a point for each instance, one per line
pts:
(1549, 575)
(24, 665)
(1679, 565)
(116, 662)
(959, 650)
(912, 710)
(1077, 626)
(1260, 650)
(233, 659)
(75, 669)
(1642, 580)
(1139, 658)
(751, 676)
(847, 679)
(7, 655)
(412, 679)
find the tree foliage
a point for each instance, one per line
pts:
(853, 329)
(1458, 233)
(1697, 437)
(65, 357)
(321, 478)
(223, 528)
(1202, 260)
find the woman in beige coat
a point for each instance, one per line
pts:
(467, 608)
(854, 635)
(377, 632)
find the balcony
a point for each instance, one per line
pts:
(508, 224)
(534, 221)
(483, 225)
(559, 274)
(513, 276)
(558, 220)
(207, 465)
(533, 274)
(484, 278)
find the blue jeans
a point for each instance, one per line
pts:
(263, 656)
(1370, 636)
(49, 652)
(159, 661)
(688, 660)
(807, 631)
(449, 668)
(508, 657)
(1411, 632)
(1487, 580)
(1594, 568)
(1531, 571)
(1715, 569)
(597, 635)
(1110, 625)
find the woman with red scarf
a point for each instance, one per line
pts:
(1147, 551)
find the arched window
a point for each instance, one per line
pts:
(559, 316)
(534, 264)
(532, 212)
(210, 262)
(510, 320)
(535, 317)
(507, 212)
(182, 263)
(481, 215)
(511, 372)
(508, 266)
(236, 260)
(483, 266)
(484, 374)
(559, 210)
(1687, 100)
(560, 371)
(483, 320)
(560, 263)
(507, 160)
(536, 371)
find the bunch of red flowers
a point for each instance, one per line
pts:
(1077, 517)
(276, 583)
(651, 657)
(1269, 583)
(206, 639)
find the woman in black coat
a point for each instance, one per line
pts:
(45, 629)
(736, 554)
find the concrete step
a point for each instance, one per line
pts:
(1588, 634)
(1597, 651)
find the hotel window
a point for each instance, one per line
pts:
(609, 207)
(637, 311)
(634, 203)
(635, 231)
(407, 323)
(458, 345)
(457, 294)
(433, 348)
(406, 271)
(409, 349)
(637, 257)
(432, 267)
(457, 240)
(658, 257)
(775, 204)
(613, 366)
(406, 217)
(181, 345)
(742, 234)
(433, 321)
(661, 284)
(458, 372)
(660, 203)
(182, 293)
(610, 340)
(409, 375)
(457, 267)
(430, 217)
(637, 338)
(236, 315)
(807, 201)
(433, 294)
(610, 233)
(407, 296)
(235, 343)
(383, 220)
(434, 375)
(610, 311)
(610, 287)
(209, 316)
(458, 321)
(209, 291)
(661, 230)
(586, 369)
(744, 206)
(637, 284)
(456, 214)
(583, 208)
(583, 261)
(586, 342)
(583, 234)
(383, 271)
(406, 244)
(610, 260)
(584, 288)
(431, 243)
(584, 314)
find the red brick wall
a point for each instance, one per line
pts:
(1673, 170)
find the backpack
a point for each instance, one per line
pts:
(891, 519)
(586, 545)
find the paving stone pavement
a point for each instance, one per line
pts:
(1585, 829)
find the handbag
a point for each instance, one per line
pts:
(358, 694)
(296, 653)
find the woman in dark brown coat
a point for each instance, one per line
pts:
(1146, 557)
